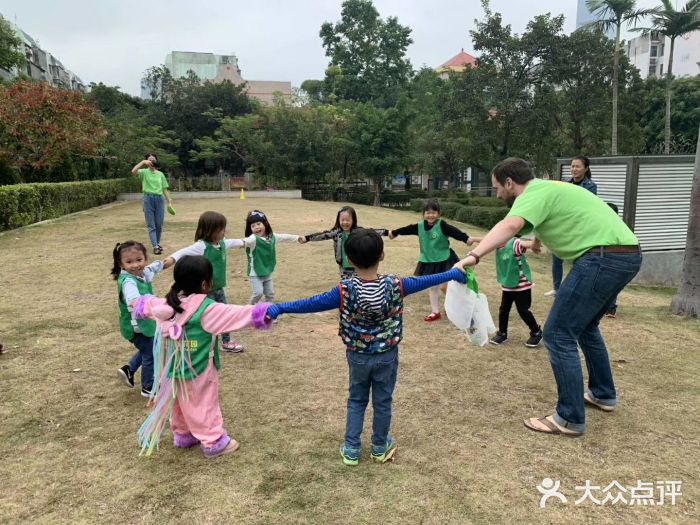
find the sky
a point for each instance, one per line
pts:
(115, 41)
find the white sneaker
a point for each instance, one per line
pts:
(551, 293)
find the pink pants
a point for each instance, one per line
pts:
(198, 412)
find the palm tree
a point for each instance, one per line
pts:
(687, 298)
(615, 13)
(671, 23)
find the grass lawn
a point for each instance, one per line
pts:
(68, 434)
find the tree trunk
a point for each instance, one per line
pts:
(616, 67)
(687, 298)
(669, 80)
(377, 191)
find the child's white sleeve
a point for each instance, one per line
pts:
(286, 237)
(130, 292)
(194, 249)
(250, 241)
(234, 243)
(150, 271)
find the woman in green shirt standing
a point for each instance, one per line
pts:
(154, 186)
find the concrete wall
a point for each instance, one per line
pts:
(277, 194)
(661, 268)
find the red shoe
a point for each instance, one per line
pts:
(432, 317)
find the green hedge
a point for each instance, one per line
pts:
(23, 204)
(483, 216)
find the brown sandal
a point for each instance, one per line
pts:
(551, 427)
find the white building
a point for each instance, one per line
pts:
(650, 54)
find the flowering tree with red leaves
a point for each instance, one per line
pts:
(43, 130)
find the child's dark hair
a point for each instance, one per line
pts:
(586, 164)
(364, 247)
(353, 214)
(210, 222)
(257, 216)
(431, 205)
(121, 247)
(189, 274)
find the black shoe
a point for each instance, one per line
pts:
(158, 250)
(126, 375)
(499, 338)
(145, 392)
(535, 338)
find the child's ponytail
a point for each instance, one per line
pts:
(192, 274)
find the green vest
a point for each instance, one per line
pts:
(198, 344)
(343, 258)
(265, 257)
(507, 271)
(434, 245)
(217, 258)
(146, 326)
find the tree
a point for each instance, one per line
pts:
(43, 130)
(11, 55)
(671, 23)
(615, 13)
(367, 55)
(687, 298)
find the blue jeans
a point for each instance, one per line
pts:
(220, 297)
(154, 212)
(557, 272)
(375, 372)
(144, 358)
(582, 300)
(262, 286)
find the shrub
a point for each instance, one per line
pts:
(23, 204)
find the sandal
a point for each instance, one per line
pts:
(550, 427)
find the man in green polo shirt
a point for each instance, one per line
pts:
(576, 226)
(154, 186)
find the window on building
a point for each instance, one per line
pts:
(653, 51)
(652, 71)
(661, 70)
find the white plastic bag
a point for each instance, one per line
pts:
(469, 311)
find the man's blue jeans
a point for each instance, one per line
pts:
(144, 358)
(154, 212)
(557, 272)
(582, 300)
(375, 372)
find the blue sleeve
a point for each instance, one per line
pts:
(417, 284)
(318, 303)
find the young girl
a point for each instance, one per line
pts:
(436, 256)
(134, 280)
(260, 244)
(345, 222)
(187, 358)
(210, 242)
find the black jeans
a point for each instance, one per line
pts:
(522, 301)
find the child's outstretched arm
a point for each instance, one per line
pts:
(286, 237)
(329, 300)
(221, 318)
(321, 236)
(416, 284)
(455, 233)
(234, 243)
(411, 229)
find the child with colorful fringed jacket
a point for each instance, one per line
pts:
(514, 275)
(435, 253)
(210, 242)
(371, 325)
(345, 223)
(134, 280)
(261, 250)
(187, 358)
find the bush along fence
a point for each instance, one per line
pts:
(23, 204)
(475, 211)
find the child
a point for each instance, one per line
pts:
(345, 222)
(260, 244)
(435, 253)
(514, 276)
(210, 242)
(371, 323)
(134, 280)
(187, 358)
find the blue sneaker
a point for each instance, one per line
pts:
(386, 453)
(351, 456)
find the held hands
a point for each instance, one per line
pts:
(302, 239)
(474, 240)
(391, 235)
